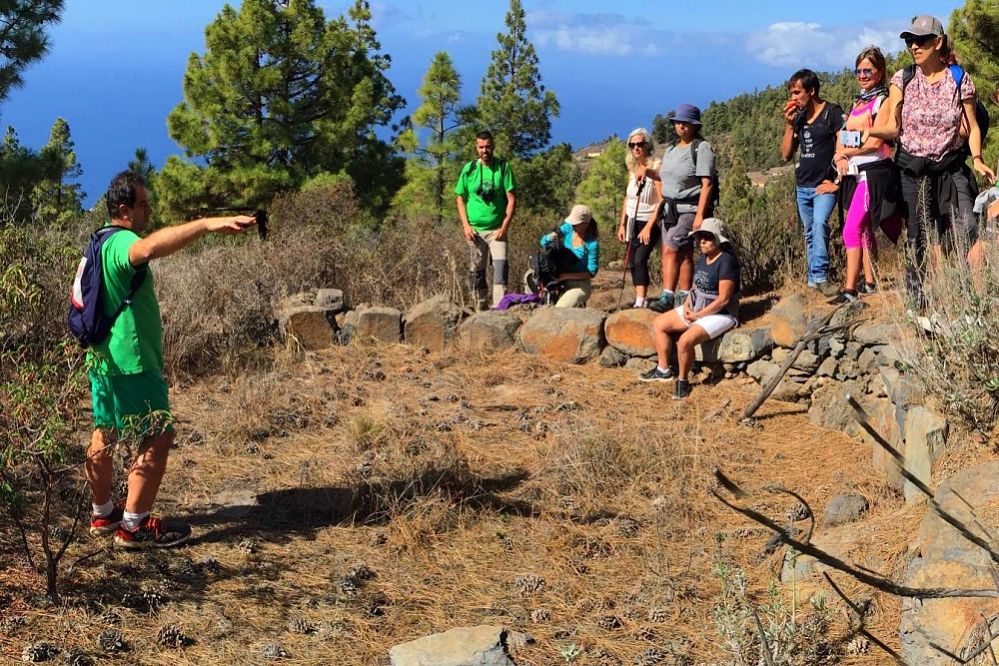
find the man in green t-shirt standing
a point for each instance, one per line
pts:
(126, 369)
(486, 201)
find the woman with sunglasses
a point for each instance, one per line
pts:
(926, 112)
(866, 173)
(642, 196)
(686, 180)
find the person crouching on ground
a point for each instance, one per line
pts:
(711, 308)
(578, 235)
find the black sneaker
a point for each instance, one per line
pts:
(867, 288)
(844, 297)
(153, 533)
(657, 375)
(682, 389)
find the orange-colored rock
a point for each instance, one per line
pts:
(630, 331)
(570, 335)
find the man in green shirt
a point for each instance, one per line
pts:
(126, 369)
(486, 201)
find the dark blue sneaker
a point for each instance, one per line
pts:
(682, 390)
(657, 375)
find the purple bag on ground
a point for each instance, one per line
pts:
(516, 299)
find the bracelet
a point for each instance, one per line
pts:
(977, 157)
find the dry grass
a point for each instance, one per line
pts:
(461, 484)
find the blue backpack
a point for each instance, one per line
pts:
(87, 321)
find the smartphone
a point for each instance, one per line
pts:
(850, 138)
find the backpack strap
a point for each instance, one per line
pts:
(908, 73)
(694, 145)
(137, 279)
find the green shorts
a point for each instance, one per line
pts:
(134, 405)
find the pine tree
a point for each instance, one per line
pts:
(58, 196)
(20, 170)
(974, 29)
(23, 39)
(141, 165)
(663, 132)
(513, 103)
(736, 196)
(603, 187)
(281, 95)
(440, 114)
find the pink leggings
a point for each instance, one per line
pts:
(857, 227)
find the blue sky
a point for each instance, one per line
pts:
(116, 66)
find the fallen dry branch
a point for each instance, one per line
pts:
(861, 614)
(861, 417)
(875, 581)
(820, 329)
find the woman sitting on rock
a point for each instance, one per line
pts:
(710, 309)
(578, 236)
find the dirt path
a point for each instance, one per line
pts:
(369, 496)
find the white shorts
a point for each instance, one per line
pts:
(715, 324)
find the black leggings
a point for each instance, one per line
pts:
(640, 253)
(964, 227)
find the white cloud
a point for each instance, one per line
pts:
(799, 44)
(600, 34)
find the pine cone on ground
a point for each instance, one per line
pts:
(609, 622)
(275, 651)
(302, 626)
(111, 642)
(36, 653)
(77, 657)
(171, 636)
(110, 618)
(528, 584)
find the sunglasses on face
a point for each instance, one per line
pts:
(640, 144)
(920, 41)
(866, 72)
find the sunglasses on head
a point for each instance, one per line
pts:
(920, 40)
(864, 71)
(639, 144)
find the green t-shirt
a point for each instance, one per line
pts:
(484, 191)
(136, 341)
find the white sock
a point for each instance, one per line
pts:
(639, 303)
(131, 521)
(101, 510)
(666, 292)
(661, 369)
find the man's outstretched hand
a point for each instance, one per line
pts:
(231, 225)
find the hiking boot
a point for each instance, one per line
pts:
(827, 288)
(682, 389)
(657, 375)
(680, 297)
(867, 288)
(105, 525)
(844, 297)
(662, 304)
(153, 533)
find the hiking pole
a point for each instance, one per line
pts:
(628, 231)
(260, 214)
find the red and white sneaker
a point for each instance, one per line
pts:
(153, 533)
(105, 525)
